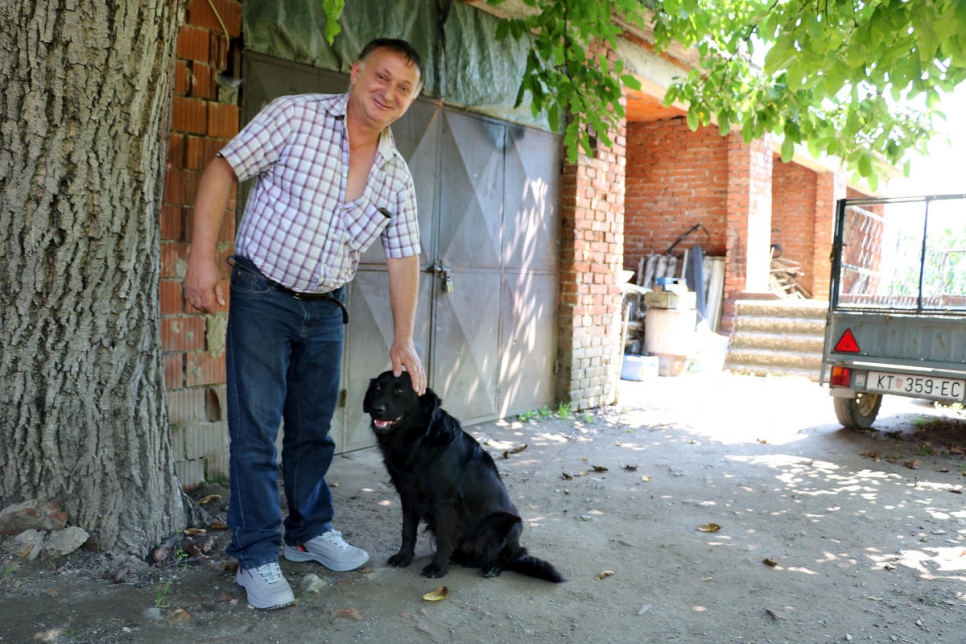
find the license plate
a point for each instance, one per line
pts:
(909, 385)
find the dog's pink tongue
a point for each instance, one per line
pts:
(381, 423)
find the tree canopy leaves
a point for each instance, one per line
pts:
(858, 80)
(855, 79)
(568, 72)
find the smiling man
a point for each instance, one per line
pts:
(328, 181)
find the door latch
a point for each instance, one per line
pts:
(439, 269)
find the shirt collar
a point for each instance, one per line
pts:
(338, 106)
(387, 147)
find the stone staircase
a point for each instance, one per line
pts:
(778, 337)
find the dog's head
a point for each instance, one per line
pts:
(392, 403)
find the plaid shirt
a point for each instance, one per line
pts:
(297, 227)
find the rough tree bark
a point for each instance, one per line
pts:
(84, 112)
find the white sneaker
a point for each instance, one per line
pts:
(266, 587)
(330, 550)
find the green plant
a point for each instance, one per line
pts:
(161, 595)
(527, 416)
(952, 407)
(6, 573)
(181, 558)
(545, 412)
(563, 410)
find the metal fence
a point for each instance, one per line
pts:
(903, 254)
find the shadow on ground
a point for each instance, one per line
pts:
(702, 508)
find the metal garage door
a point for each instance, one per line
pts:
(488, 194)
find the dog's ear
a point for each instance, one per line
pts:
(429, 402)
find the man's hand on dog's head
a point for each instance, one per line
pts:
(405, 356)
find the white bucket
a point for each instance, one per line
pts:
(639, 367)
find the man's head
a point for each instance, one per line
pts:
(385, 80)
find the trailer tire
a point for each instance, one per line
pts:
(858, 412)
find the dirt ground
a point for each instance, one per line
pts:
(823, 535)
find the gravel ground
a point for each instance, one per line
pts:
(702, 508)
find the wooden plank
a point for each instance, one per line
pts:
(715, 297)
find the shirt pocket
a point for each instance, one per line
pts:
(363, 225)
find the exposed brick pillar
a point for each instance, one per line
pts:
(830, 187)
(749, 221)
(204, 117)
(591, 258)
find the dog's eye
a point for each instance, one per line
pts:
(397, 390)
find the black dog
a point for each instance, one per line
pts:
(445, 478)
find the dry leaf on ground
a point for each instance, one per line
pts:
(439, 594)
(348, 613)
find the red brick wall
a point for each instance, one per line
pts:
(675, 178)
(793, 217)
(591, 255)
(749, 211)
(204, 116)
(853, 193)
(829, 188)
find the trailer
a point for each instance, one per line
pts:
(896, 322)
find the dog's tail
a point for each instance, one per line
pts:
(533, 567)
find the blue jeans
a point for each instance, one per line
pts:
(284, 358)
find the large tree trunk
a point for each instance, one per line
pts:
(84, 111)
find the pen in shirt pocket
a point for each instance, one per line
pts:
(385, 213)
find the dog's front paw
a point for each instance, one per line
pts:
(400, 559)
(434, 571)
(491, 571)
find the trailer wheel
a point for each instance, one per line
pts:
(858, 412)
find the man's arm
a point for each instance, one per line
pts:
(403, 295)
(202, 287)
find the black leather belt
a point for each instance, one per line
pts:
(247, 265)
(308, 297)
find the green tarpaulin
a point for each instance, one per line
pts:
(464, 64)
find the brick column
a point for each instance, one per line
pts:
(204, 116)
(829, 188)
(591, 257)
(749, 221)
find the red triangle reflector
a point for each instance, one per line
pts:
(847, 343)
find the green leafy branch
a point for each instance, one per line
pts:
(568, 71)
(860, 81)
(333, 10)
(857, 80)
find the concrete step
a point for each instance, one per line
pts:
(782, 308)
(774, 358)
(778, 337)
(781, 324)
(811, 374)
(787, 342)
